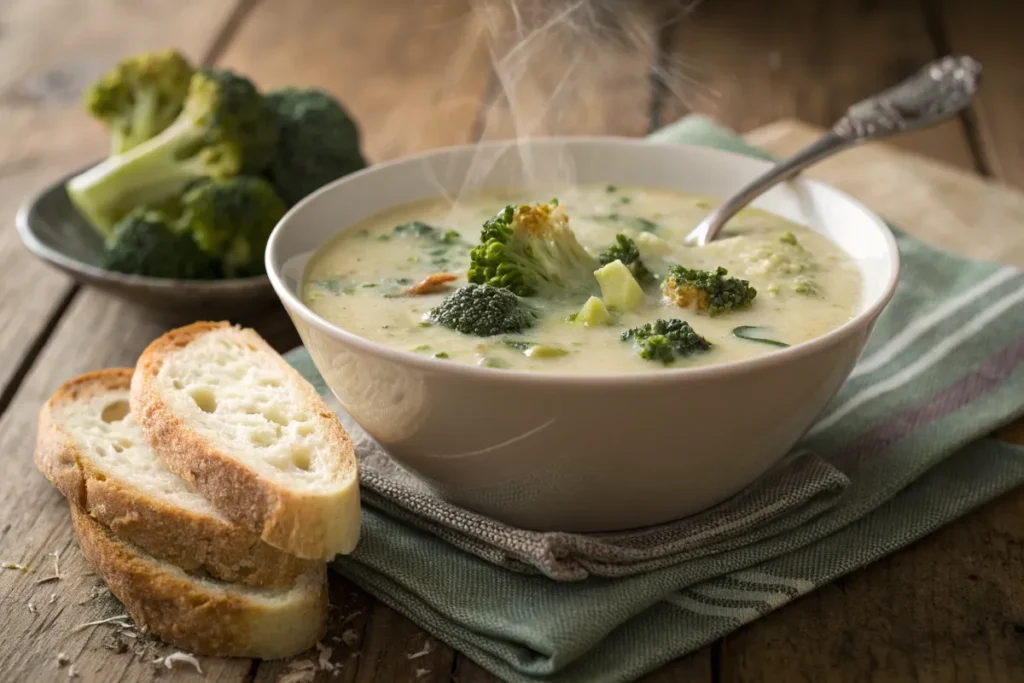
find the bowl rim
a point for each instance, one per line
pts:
(431, 365)
(69, 264)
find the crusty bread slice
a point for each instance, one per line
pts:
(94, 453)
(204, 616)
(227, 413)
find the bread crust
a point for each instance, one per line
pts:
(201, 616)
(190, 540)
(311, 525)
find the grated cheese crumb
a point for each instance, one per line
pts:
(352, 616)
(324, 657)
(183, 657)
(120, 620)
(302, 671)
(428, 647)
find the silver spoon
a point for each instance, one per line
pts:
(932, 95)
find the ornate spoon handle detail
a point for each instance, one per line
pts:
(935, 93)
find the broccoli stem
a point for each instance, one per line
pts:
(144, 121)
(146, 174)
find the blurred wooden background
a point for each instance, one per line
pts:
(417, 74)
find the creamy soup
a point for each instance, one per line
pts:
(374, 280)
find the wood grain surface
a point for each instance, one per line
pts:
(50, 50)
(417, 76)
(790, 50)
(989, 31)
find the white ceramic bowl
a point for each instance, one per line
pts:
(581, 453)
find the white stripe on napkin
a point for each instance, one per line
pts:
(937, 353)
(918, 327)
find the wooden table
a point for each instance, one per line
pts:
(416, 75)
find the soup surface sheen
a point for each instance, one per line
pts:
(806, 286)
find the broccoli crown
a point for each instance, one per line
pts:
(625, 250)
(140, 97)
(319, 142)
(664, 340)
(531, 250)
(231, 220)
(483, 311)
(146, 242)
(707, 290)
(224, 129)
(226, 125)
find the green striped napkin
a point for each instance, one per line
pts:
(905, 438)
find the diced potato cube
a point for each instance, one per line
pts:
(593, 313)
(619, 288)
(650, 245)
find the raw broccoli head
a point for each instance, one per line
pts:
(706, 290)
(665, 340)
(319, 142)
(531, 250)
(147, 242)
(483, 311)
(140, 97)
(225, 128)
(625, 250)
(231, 220)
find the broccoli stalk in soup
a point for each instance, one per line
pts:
(705, 290)
(665, 340)
(225, 129)
(530, 250)
(140, 97)
(482, 311)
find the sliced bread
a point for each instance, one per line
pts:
(89, 446)
(201, 615)
(228, 414)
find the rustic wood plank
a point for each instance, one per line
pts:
(50, 50)
(412, 74)
(946, 609)
(925, 613)
(990, 31)
(397, 650)
(695, 668)
(748, 64)
(348, 617)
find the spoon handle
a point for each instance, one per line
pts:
(935, 93)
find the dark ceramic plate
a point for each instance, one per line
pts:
(53, 230)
